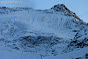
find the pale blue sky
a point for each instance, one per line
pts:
(80, 7)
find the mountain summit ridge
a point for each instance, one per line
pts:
(62, 7)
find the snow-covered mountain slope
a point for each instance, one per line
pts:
(29, 33)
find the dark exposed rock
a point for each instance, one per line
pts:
(62, 7)
(86, 56)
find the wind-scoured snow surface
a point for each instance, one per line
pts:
(56, 33)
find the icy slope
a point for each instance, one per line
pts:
(46, 33)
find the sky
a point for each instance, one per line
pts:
(77, 6)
